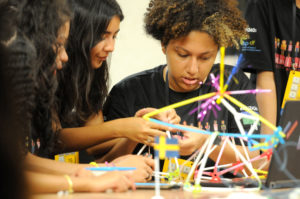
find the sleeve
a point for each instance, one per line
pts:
(257, 50)
(114, 106)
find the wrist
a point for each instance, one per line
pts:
(116, 128)
(80, 184)
(70, 184)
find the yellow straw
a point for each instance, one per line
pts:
(241, 105)
(222, 52)
(261, 171)
(182, 103)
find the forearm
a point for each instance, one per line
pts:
(47, 166)
(47, 183)
(84, 137)
(124, 146)
(267, 102)
(103, 148)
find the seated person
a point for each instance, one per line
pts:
(191, 33)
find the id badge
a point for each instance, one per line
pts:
(72, 157)
(170, 166)
(292, 91)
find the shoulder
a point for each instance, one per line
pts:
(264, 3)
(22, 46)
(267, 5)
(143, 77)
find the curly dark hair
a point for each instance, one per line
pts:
(166, 20)
(40, 22)
(82, 89)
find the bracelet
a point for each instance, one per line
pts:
(70, 190)
(94, 164)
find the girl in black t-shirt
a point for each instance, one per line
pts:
(190, 33)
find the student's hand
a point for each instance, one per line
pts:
(169, 116)
(191, 142)
(116, 181)
(144, 166)
(140, 130)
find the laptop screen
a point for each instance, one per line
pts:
(284, 170)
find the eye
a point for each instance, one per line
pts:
(204, 58)
(182, 55)
(115, 36)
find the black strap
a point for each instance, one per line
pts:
(294, 22)
(294, 30)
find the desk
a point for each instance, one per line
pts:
(147, 194)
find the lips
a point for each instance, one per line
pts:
(190, 81)
(102, 58)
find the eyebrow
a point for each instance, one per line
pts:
(107, 32)
(180, 48)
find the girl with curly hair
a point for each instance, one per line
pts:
(191, 33)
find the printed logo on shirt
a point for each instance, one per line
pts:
(251, 30)
(248, 121)
(249, 45)
(253, 108)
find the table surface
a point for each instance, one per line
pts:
(167, 194)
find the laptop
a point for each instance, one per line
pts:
(284, 170)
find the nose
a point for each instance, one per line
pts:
(63, 56)
(193, 66)
(110, 45)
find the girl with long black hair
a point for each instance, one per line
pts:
(83, 84)
(39, 51)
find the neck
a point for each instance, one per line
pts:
(298, 3)
(165, 73)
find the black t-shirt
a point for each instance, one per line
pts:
(270, 21)
(148, 89)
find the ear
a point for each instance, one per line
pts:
(163, 47)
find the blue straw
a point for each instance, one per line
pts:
(110, 168)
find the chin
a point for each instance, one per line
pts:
(189, 88)
(98, 65)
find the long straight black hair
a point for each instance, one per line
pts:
(40, 22)
(82, 89)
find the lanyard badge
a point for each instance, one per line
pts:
(292, 91)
